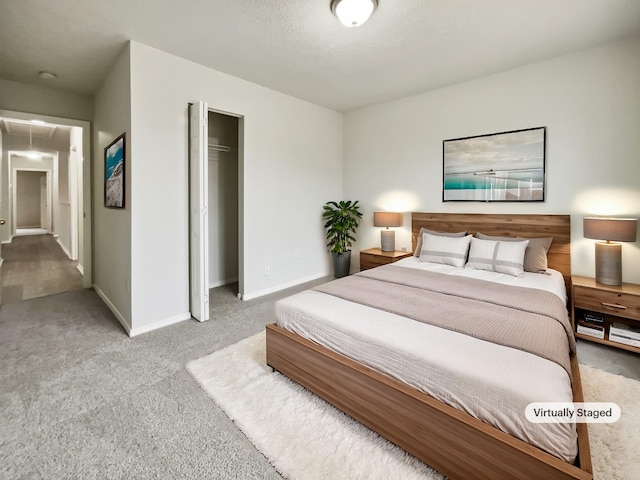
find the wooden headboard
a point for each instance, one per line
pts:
(505, 225)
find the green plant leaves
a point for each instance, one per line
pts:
(342, 219)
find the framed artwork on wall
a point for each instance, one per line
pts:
(497, 167)
(114, 163)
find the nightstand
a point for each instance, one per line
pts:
(606, 305)
(374, 257)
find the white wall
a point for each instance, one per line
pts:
(62, 226)
(76, 176)
(21, 97)
(3, 197)
(292, 166)
(112, 227)
(63, 178)
(590, 103)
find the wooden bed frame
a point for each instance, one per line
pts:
(449, 440)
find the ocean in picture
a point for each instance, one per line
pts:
(492, 185)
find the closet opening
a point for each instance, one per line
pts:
(223, 200)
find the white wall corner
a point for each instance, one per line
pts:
(123, 321)
(63, 246)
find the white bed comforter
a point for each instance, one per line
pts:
(490, 382)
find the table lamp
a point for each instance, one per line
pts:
(387, 237)
(608, 253)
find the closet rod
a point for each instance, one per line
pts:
(219, 148)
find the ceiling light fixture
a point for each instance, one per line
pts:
(47, 75)
(353, 13)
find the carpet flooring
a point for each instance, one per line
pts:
(81, 400)
(306, 438)
(35, 266)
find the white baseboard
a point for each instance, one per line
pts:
(31, 231)
(64, 248)
(8, 241)
(132, 332)
(283, 286)
(220, 283)
(80, 269)
(123, 321)
(159, 324)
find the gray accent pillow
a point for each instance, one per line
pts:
(433, 232)
(535, 257)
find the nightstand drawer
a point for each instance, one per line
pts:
(374, 257)
(375, 260)
(613, 303)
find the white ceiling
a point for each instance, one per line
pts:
(299, 48)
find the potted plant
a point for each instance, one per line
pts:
(341, 221)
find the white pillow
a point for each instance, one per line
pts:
(447, 250)
(497, 256)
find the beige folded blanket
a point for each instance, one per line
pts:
(531, 320)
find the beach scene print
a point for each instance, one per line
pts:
(498, 167)
(114, 174)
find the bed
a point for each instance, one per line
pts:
(443, 433)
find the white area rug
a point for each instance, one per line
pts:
(306, 438)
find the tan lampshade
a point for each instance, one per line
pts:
(611, 229)
(387, 219)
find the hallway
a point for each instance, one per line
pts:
(35, 266)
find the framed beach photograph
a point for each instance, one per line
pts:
(114, 163)
(497, 167)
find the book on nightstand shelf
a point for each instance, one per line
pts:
(623, 333)
(593, 317)
(590, 329)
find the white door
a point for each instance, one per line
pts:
(2, 222)
(44, 224)
(198, 214)
(74, 181)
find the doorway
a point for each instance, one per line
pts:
(32, 145)
(31, 200)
